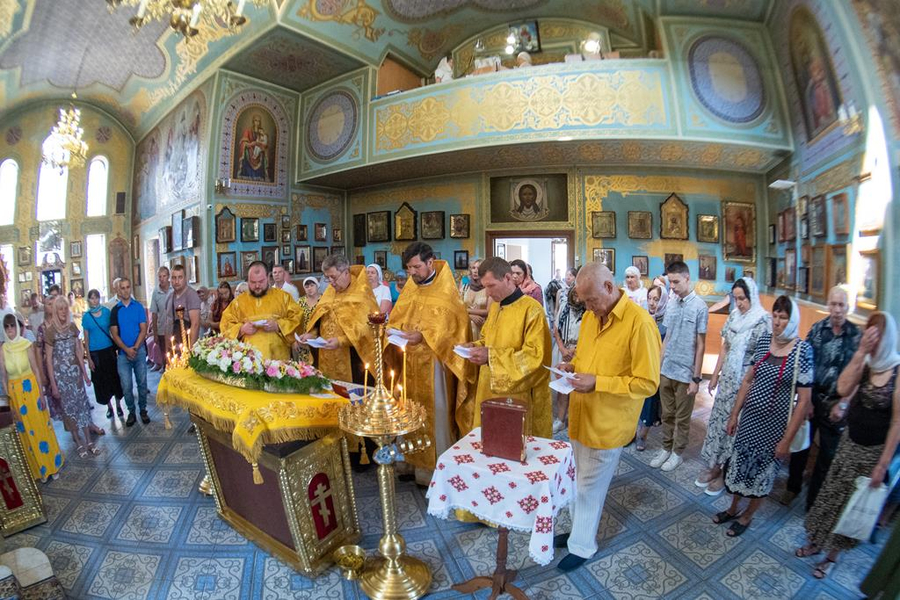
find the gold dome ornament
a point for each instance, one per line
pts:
(184, 16)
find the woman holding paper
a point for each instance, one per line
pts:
(868, 443)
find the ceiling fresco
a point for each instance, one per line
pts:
(701, 155)
(49, 47)
(289, 59)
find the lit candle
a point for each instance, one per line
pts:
(142, 9)
(392, 383)
(195, 17)
(403, 396)
(401, 390)
(240, 8)
(366, 381)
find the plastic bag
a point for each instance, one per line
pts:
(861, 513)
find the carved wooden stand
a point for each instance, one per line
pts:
(501, 581)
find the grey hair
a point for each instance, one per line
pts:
(335, 261)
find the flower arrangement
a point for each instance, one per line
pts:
(240, 364)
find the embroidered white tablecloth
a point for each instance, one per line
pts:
(524, 496)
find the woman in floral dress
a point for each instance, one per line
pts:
(68, 376)
(740, 336)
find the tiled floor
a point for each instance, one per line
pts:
(130, 524)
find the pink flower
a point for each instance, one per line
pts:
(272, 371)
(236, 367)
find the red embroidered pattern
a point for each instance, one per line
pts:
(528, 504)
(498, 468)
(476, 445)
(457, 482)
(492, 494)
(559, 445)
(536, 476)
(512, 485)
(441, 466)
(464, 458)
(543, 524)
(571, 472)
(548, 459)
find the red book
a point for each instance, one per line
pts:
(503, 429)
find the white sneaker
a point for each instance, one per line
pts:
(671, 463)
(558, 426)
(661, 457)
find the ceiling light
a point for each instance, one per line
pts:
(782, 184)
(184, 15)
(510, 49)
(65, 148)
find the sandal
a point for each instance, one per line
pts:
(82, 451)
(724, 517)
(93, 449)
(823, 568)
(807, 550)
(737, 529)
(109, 413)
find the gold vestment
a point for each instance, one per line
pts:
(275, 304)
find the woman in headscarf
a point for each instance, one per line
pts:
(19, 363)
(224, 296)
(565, 334)
(740, 335)
(308, 302)
(475, 297)
(869, 441)
(382, 292)
(444, 71)
(768, 418)
(64, 355)
(657, 299)
(521, 275)
(634, 287)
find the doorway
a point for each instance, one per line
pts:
(548, 252)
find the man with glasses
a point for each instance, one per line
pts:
(340, 317)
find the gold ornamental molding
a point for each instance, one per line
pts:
(836, 178)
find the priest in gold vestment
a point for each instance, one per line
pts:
(341, 318)
(433, 320)
(266, 318)
(513, 350)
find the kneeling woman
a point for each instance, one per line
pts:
(19, 362)
(768, 421)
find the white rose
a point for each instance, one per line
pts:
(223, 364)
(238, 355)
(210, 359)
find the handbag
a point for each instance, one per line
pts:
(862, 510)
(801, 440)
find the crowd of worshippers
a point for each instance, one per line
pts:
(636, 355)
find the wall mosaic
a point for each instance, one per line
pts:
(171, 159)
(254, 143)
(882, 34)
(334, 118)
(515, 106)
(726, 82)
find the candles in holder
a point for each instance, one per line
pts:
(403, 394)
(366, 381)
(392, 382)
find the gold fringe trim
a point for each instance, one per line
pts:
(363, 456)
(166, 422)
(257, 476)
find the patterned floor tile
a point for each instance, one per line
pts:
(280, 582)
(409, 516)
(125, 576)
(768, 509)
(184, 453)
(22, 539)
(686, 475)
(141, 452)
(201, 578)
(152, 524)
(645, 498)
(636, 571)
(761, 577)
(208, 529)
(156, 429)
(479, 549)
(699, 539)
(91, 518)
(54, 505)
(173, 484)
(68, 561)
(118, 481)
(73, 478)
(556, 588)
(791, 535)
(851, 569)
(427, 550)
(623, 468)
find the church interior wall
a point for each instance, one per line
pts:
(23, 135)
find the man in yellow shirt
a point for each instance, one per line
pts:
(616, 366)
(266, 318)
(513, 350)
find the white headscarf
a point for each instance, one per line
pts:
(639, 295)
(444, 71)
(380, 272)
(791, 329)
(886, 356)
(740, 322)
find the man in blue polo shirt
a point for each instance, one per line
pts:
(128, 328)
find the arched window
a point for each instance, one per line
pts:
(51, 192)
(97, 185)
(9, 187)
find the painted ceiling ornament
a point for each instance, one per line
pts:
(13, 135)
(332, 125)
(726, 79)
(346, 12)
(104, 134)
(419, 10)
(8, 10)
(184, 16)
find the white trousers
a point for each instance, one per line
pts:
(594, 470)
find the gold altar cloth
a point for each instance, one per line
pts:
(253, 417)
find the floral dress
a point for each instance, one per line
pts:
(717, 445)
(752, 466)
(73, 398)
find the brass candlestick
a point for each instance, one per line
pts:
(175, 360)
(380, 416)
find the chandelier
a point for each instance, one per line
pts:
(184, 15)
(64, 147)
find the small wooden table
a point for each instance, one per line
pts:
(501, 581)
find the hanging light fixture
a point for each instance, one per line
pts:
(65, 146)
(184, 15)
